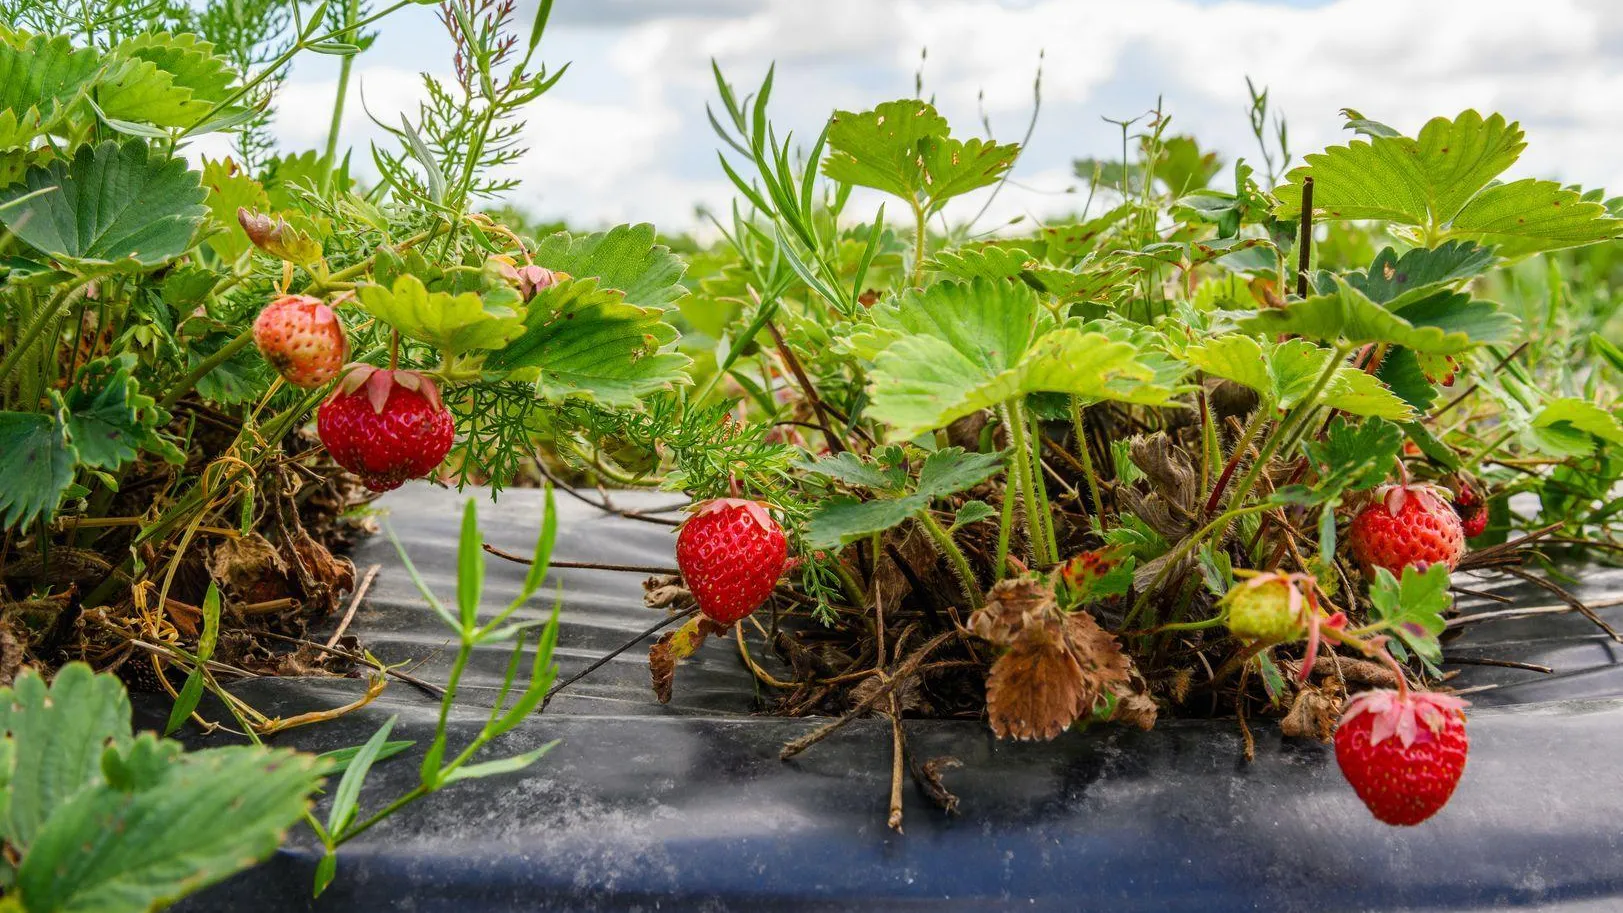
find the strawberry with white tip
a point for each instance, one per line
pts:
(303, 339)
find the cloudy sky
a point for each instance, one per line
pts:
(624, 137)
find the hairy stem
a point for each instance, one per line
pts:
(955, 555)
(1039, 487)
(43, 318)
(1086, 456)
(1014, 421)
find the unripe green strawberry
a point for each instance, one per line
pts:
(303, 339)
(1402, 751)
(1269, 608)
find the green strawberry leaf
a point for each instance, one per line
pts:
(54, 738)
(626, 258)
(190, 63)
(842, 519)
(117, 205)
(880, 148)
(110, 422)
(1352, 457)
(953, 469)
(902, 148)
(953, 167)
(107, 849)
(1569, 427)
(1401, 371)
(1441, 185)
(36, 466)
(882, 471)
(1348, 315)
(583, 341)
(983, 262)
(39, 79)
(1414, 607)
(971, 512)
(959, 347)
(1391, 276)
(455, 324)
(1286, 372)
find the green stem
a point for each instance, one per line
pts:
(1004, 524)
(1039, 486)
(1212, 622)
(226, 353)
(848, 583)
(351, 10)
(1084, 454)
(923, 227)
(1288, 427)
(31, 333)
(1014, 421)
(955, 555)
(1176, 556)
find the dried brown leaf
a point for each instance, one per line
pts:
(1312, 715)
(1036, 689)
(929, 777)
(1135, 708)
(666, 592)
(1168, 469)
(1010, 606)
(1097, 653)
(674, 646)
(249, 569)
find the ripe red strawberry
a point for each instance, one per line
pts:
(385, 426)
(1402, 751)
(731, 553)
(1270, 608)
(1472, 509)
(1407, 524)
(303, 339)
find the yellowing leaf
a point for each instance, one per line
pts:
(455, 324)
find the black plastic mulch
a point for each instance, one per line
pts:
(687, 807)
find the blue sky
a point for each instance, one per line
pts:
(624, 138)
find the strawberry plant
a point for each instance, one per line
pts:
(1155, 459)
(1211, 445)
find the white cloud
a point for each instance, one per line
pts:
(624, 136)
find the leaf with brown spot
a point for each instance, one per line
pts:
(1037, 689)
(674, 646)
